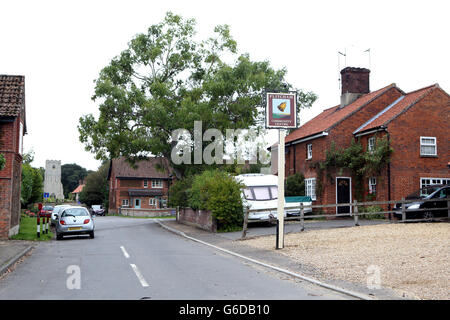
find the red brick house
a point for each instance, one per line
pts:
(146, 187)
(12, 129)
(416, 125)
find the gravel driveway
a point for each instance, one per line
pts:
(413, 259)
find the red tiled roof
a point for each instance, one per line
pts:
(78, 189)
(330, 117)
(396, 108)
(149, 168)
(12, 95)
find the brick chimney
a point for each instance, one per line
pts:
(354, 83)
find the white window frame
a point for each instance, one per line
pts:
(425, 182)
(310, 188)
(372, 185)
(125, 202)
(309, 151)
(145, 183)
(158, 185)
(371, 144)
(152, 201)
(428, 145)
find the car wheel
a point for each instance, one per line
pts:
(428, 215)
(91, 234)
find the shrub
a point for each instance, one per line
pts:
(371, 209)
(178, 192)
(218, 192)
(295, 185)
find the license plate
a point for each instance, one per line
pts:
(74, 228)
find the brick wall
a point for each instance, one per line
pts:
(199, 218)
(430, 117)
(10, 178)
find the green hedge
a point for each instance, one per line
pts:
(220, 193)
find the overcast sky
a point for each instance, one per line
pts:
(60, 47)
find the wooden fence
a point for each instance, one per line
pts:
(354, 211)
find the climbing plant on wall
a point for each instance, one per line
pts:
(360, 163)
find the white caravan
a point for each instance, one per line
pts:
(261, 192)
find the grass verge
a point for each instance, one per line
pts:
(27, 230)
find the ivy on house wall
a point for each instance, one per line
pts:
(360, 163)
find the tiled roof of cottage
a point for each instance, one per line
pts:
(152, 167)
(330, 117)
(78, 189)
(396, 108)
(12, 95)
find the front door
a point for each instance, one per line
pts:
(137, 203)
(343, 194)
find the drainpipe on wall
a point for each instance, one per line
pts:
(389, 175)
(293, 150)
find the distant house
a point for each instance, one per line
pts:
(12, 129)
(78, 190)
(146, 187)
(416, 125)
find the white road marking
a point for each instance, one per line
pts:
(139, 275)
(125, 253)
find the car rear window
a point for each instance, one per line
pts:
(77, 212)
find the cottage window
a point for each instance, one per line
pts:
(152, 202)
(157, 184)
(310, 188)
(428, 146)
(372, 185)
(145, 183)
(426, 182)
(125, 203)
(371, 144)
(309, 151)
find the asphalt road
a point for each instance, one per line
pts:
(136, 258)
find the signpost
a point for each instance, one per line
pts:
(281, 114)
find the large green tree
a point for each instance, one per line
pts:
(32, 186)
(166, 79)
(71, 174)
(95, 190)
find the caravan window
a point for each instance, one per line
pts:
(274, 191)
(248, 194)
(261, 193)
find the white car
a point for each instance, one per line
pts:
(261, 192)
(56, 211)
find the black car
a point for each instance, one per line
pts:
(435, 192)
